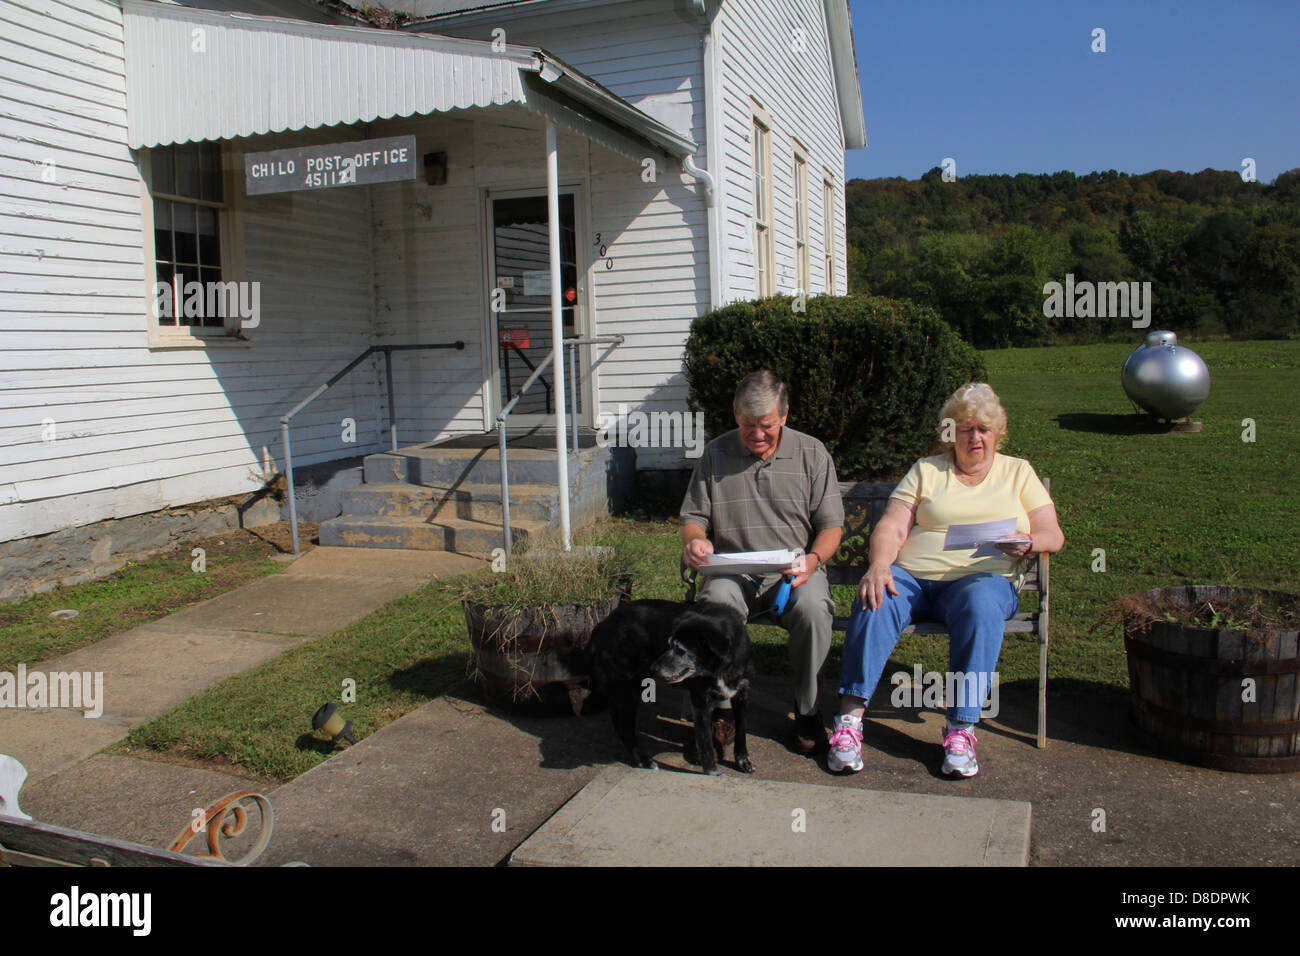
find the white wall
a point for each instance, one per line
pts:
(139, 428)
(656, 234)
(650, 53)
(797, 89)
(136, 428)
(431, 283)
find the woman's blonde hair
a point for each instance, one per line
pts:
(975, 402)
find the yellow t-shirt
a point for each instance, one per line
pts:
(1011, 489)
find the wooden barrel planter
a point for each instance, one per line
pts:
(534, 660)
(1228, 699)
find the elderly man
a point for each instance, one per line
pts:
(764, 487)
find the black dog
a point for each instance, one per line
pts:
(703, 646)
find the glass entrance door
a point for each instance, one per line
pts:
(520, 314)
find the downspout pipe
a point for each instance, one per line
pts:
(688, 164)
(711, 218)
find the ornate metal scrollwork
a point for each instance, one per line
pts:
(227, 818)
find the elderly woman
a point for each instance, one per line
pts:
(918, 571)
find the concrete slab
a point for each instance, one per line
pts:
(1100, 797)
(145, 801)
(386, 563)
(647, 818)
(136, 687)
(305, 604)
(450, 784)
(49, 741)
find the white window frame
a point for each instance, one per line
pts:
(828, 231)
(799, 190)
(761, 158)
(229, 225)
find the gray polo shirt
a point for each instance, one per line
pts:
(744, 503)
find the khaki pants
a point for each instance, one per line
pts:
(809, 616)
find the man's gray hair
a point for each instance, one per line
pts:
(759, 393)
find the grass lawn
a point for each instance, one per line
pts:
(1204, 508)
(259, 722)
(140, 592)
(1165, 509)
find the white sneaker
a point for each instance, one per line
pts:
(959, 752)
(846, 745)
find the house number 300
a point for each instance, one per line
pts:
(604, 248)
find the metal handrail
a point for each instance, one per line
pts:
(531, 367)
(613, 341)
(392, 413)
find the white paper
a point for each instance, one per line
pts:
(983, 537)
(750, 562)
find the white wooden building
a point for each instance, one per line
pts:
(700, 160)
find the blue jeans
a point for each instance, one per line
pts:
(973, 608)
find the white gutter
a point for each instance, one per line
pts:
(848, 85)
(587, 91)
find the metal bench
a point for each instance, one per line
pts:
(25, 842)
(864, 505)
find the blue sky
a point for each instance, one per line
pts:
(1009, 86)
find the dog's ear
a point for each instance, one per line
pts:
(715, 631)
(718, 636)
(719, 626)
(700, 632)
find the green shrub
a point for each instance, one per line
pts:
(867, 375)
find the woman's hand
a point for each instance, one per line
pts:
(871, 590)
(883, 548)
(1016, 549)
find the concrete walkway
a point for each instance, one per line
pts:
(457, 783)
(152, 668)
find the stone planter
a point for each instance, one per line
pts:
(1222, 698)
(534, 660)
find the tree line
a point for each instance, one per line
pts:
(1222, 255)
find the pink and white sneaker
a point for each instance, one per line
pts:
(846, 745)
(959, 752)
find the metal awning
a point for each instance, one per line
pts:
(196, 75)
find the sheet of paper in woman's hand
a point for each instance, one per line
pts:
(750, 562)
(963, 537)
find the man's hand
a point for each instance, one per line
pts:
(871, 590)
(697, 551)
(803, 568)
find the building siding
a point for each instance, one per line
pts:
(655, 233)
(135, 428)
(140, 428)
(797, 90)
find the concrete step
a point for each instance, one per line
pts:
(475, 502)
(443, 467)
(476, 538)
